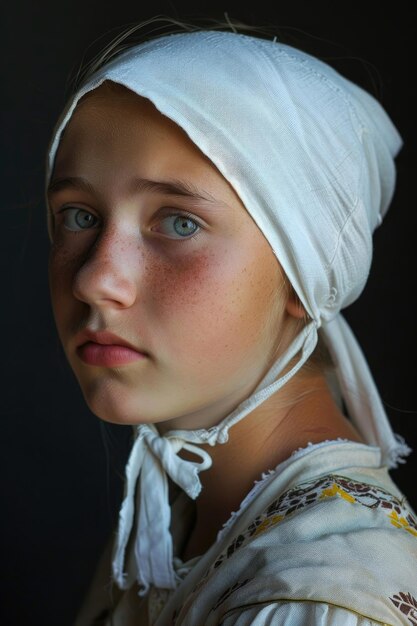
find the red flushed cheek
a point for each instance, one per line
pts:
(207, 306)
(182, 286)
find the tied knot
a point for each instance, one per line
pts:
(182, 471)
(154, 457)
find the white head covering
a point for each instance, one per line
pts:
(311, 156)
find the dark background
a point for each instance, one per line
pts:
(61, 465)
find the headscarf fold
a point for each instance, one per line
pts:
(311, 156)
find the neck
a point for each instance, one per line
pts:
(258, 443)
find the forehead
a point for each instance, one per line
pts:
(111, 96)
(114, 107)
(112, 125)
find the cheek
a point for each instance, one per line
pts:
(214, 305)
(185, 291)
(181, 282)
(62, 265)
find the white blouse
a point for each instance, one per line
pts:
(324, 539)
(297, 614)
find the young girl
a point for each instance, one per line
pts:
(211, 203)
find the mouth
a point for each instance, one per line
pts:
(103, 348)
(108, 355)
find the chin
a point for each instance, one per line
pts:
(102, 401)
(113, 418)
(116, 412)
(118, 406)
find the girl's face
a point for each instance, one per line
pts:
(150, 242)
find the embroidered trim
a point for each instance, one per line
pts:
(407, 604)
(269, 474)
(309, 492)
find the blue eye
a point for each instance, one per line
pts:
(182, 225)
(75, 217)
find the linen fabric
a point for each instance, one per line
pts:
(325, 538)
(311, 156)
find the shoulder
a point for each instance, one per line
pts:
(366, 501)
(328, 508)
(331, 544)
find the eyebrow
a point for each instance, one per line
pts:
(173, 187)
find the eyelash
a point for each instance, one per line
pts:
(183, 214)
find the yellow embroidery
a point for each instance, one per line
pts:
(401, 522)
(336, 490)
(268, 522)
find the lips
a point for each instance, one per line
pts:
(106, 338)
(105, 349)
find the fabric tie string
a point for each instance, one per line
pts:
(151, 460)
(360, 393)
(153, 457)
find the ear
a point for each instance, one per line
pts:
(294, 306)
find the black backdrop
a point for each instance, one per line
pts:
(61, 466)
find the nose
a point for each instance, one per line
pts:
(107, 275)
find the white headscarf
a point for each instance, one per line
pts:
(311, 155)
